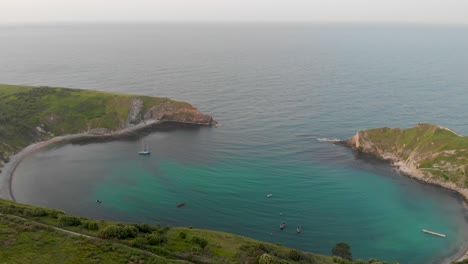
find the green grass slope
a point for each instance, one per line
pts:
(435, 151)
(29, 114)
(27, 235)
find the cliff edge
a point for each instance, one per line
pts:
(427, 152)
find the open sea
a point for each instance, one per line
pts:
(277, 90)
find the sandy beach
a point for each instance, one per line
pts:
(6, 177)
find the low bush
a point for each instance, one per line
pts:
(69, 220)
(200, 241)
(295, 255)
(37, 212)
(156, 239)
(119, 232)
(144, 228)
(266, 259)
(55, 213)
(182, 235)
(139, 242)
(90, 225)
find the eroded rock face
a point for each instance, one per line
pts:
(170, 111)
(426, 152)
(134, 112)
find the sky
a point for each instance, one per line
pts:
(90, 11)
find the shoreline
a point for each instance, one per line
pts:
(10, 167)
(404, 169)
(407, 170)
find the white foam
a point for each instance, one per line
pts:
(328, 140)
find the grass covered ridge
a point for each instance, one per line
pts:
(30, 114)
(27, 235)
(435, 151)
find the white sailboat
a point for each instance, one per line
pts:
(145, 151)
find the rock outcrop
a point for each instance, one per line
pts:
(134, 112)
(171, 111)
(426, 152)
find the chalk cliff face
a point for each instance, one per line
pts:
(427, 152)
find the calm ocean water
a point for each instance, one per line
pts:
(276, 89)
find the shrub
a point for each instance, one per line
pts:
(266, 259)
(182, 235)
(139, 242)
(294, 255)
(144, 228)
(92, 226)
(120, 232)
(38, 212)
(156, 239)
(342, 250)
(111, 231)
(68, 220)
(200, 241)
(55, 213)
(130, 231)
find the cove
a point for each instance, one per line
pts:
(342, 197)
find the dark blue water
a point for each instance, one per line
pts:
(276, 89)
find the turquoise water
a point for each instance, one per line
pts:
(277, 90)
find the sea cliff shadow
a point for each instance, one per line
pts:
(134, 135)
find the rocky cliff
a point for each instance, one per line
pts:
(426, 152)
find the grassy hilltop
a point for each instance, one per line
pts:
(430, 152)
(29, 114)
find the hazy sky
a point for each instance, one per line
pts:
(419, 11)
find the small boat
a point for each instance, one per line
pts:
(283, 225)
(180, 204)
(269, 195)
(298, 229)
(145, 151)
(433, 233)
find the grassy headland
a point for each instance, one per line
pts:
(30, 114)
(427, 152)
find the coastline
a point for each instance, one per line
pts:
(408, 170)
(405, 169)
(7, 175)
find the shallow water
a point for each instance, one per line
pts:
(276, 89)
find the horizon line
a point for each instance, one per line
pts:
(303, 22)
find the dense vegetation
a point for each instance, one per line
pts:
(27, 235)
(435, 151)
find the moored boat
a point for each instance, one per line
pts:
(433, 233)
(145, 151)
(282, 225)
